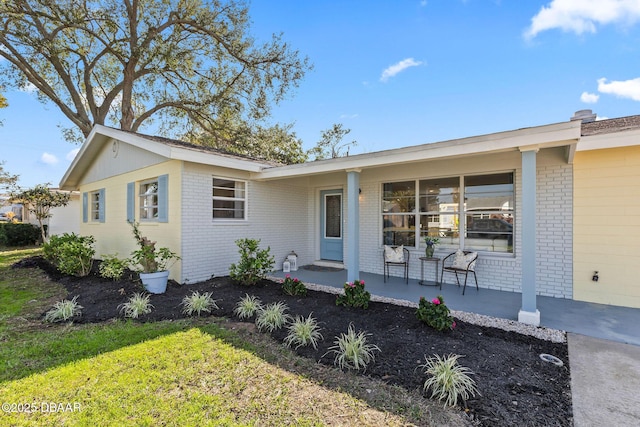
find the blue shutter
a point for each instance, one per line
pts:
(131, 202)
(101, 206)
(163, 198)
(85, 207)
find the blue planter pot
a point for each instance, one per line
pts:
(155, 283)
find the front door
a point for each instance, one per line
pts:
(331, 225)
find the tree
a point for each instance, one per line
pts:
(331, 145)
(3, 101)
(39, 200)
(276, 143)
(126, 63)
(7, 181)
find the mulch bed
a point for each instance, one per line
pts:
(516, 386)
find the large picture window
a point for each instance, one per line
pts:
(471, 212)
(229, 199)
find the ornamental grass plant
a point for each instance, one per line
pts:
(64, 310)
(303, 332)
(352, 351)
(449, 381)
(247, 307)
(138, 305)
(272, 317)
(198, 303)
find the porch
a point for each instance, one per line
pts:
(596, 320)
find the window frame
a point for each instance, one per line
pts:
(461, 211)
(144, 196)
(96, 207)
(244, 199)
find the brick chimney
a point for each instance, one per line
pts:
(586, 116)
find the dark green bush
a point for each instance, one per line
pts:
(254, 264)
(70, 253)
(18, 234)
(435, 313)
(354, 295)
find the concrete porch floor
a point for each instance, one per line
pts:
(595, 320)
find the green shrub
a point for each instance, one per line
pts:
(70, 253)
(254, 264)
(18, 234)
(198, 303)
(272, 317)
(303, 332)
(247, 306)
(354, 295)
(63, 311)
(137, 305)
(293, 286)
(352, 350)
(112, 267)
(449, 381)
(435, 313)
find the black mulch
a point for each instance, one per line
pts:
(517, 387)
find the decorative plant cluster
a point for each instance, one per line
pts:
(148, 257)
(254, 263)
(352, 351)
(70, 253)
(137, 306)
(273, 316)
(435, 313)
(64, 310)
(449, 381)
(198, 303)
(293, 286)
(303, 331)
(112, 267)
(247, 307)
(354, 295)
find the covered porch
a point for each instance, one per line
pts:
(596, 320)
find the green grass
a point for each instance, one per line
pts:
(187, 372)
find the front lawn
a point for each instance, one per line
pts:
(206, 371)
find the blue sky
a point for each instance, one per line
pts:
(407, 72)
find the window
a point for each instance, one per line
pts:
(229, 199)
(471, 212)
(148, 197)
(93, 206)
(398, 213)
(96, 206)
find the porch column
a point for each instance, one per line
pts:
(529, 314)
(353, 224)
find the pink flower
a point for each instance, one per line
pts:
(288, 276)
(453, 325)
(436, 301)
(352, 284)
(296, 280)
(362, 282)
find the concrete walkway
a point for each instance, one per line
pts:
(605, 382)
(603, 341)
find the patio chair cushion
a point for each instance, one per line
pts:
(461, 261)
(393, 254)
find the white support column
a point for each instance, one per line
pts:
(529, 314)
(353, 224)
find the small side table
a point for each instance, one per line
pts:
(423, 282)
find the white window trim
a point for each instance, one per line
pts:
(141, 196)
(235, 221)
(94, 207)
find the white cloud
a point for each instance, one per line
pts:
(394, 69)
(72, 154)
(622, 89)
(28, 87)
(582, 16)
(48, 159)
(589, 98)
(598, 118)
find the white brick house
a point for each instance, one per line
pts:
(511, 196)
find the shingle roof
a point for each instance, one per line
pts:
(611, 125)
(192, 146)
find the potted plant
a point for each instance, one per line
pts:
(431, 245)
(153, 262)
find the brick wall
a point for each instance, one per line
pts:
(277, 214)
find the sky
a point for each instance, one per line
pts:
(407, 72)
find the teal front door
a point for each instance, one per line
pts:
(331, 225)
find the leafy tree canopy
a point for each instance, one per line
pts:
(40, 200)
(331, 144)
(3, 101)
(178, 65)
(7, 181)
